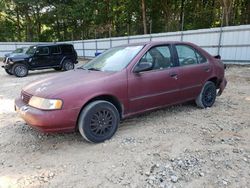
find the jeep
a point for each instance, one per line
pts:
(38, 57)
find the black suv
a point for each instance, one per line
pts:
(57, 56)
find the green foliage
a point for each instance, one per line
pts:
(61, 20)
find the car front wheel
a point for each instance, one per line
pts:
(98, 121)
(20, 70)
(68, 65)
(207, 96)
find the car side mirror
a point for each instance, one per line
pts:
(37, 52)
(217, 57)
(143, 66)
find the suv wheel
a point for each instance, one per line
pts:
(20, 70)
(8, 71)
(68, 65)
(98, 121)
(207, 96)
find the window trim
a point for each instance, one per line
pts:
(196, 52)
(170, 46)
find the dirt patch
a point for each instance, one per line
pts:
(179, 146)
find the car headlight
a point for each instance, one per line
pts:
(10, 61)
(45, 104)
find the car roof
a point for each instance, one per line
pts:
(55, 44)
(153, 43)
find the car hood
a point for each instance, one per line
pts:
(62, 83)
(18, 56)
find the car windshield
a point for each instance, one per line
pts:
(114, 59)
(31, 50)
(19, 50)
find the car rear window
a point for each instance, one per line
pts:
(55, 50)
(67, 48)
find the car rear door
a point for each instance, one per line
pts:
(156, 87)
(194, 70)
(56, 55)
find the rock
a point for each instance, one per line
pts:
(38, 167)
(236, 150)
(174, 178)
(201, 174)
(224, 182)
(51, 175)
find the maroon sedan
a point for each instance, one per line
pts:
(121, 82)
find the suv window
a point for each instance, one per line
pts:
(55, 50)
(67, 48)
(159, 56)
(43, 51)
(188, 56)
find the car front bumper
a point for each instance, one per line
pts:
(222, 86)
(47, 120)
(6, 66)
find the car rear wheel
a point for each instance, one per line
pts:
(8, 71)
(20, 70)
(98, 121)
(68, 65)
(207, 96)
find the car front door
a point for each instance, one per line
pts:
(42, 57)
(194, 71)
(155, 87)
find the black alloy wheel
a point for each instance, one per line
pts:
(98, 121)
(207, 96)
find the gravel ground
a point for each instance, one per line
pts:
(179, 146)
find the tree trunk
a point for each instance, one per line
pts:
(144, 16)
(181, 15)
(38, 22)
(29, 34)
(19, 37)
(247, 12)
(58, 29)
(227, 9)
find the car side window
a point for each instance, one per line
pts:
(188, 56)
(201, 58)
(159, 56)
(55, 50)
(43, 51)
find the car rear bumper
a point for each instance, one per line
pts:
(47, 121)
(222, 86)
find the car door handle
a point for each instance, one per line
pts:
(206, 69)
(173, 75)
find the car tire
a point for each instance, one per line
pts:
(68, 65)
(57, 68)
(98, 121)
(8, 71)
(20, 70)
(207, 96)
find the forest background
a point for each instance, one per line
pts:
(63, 20)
